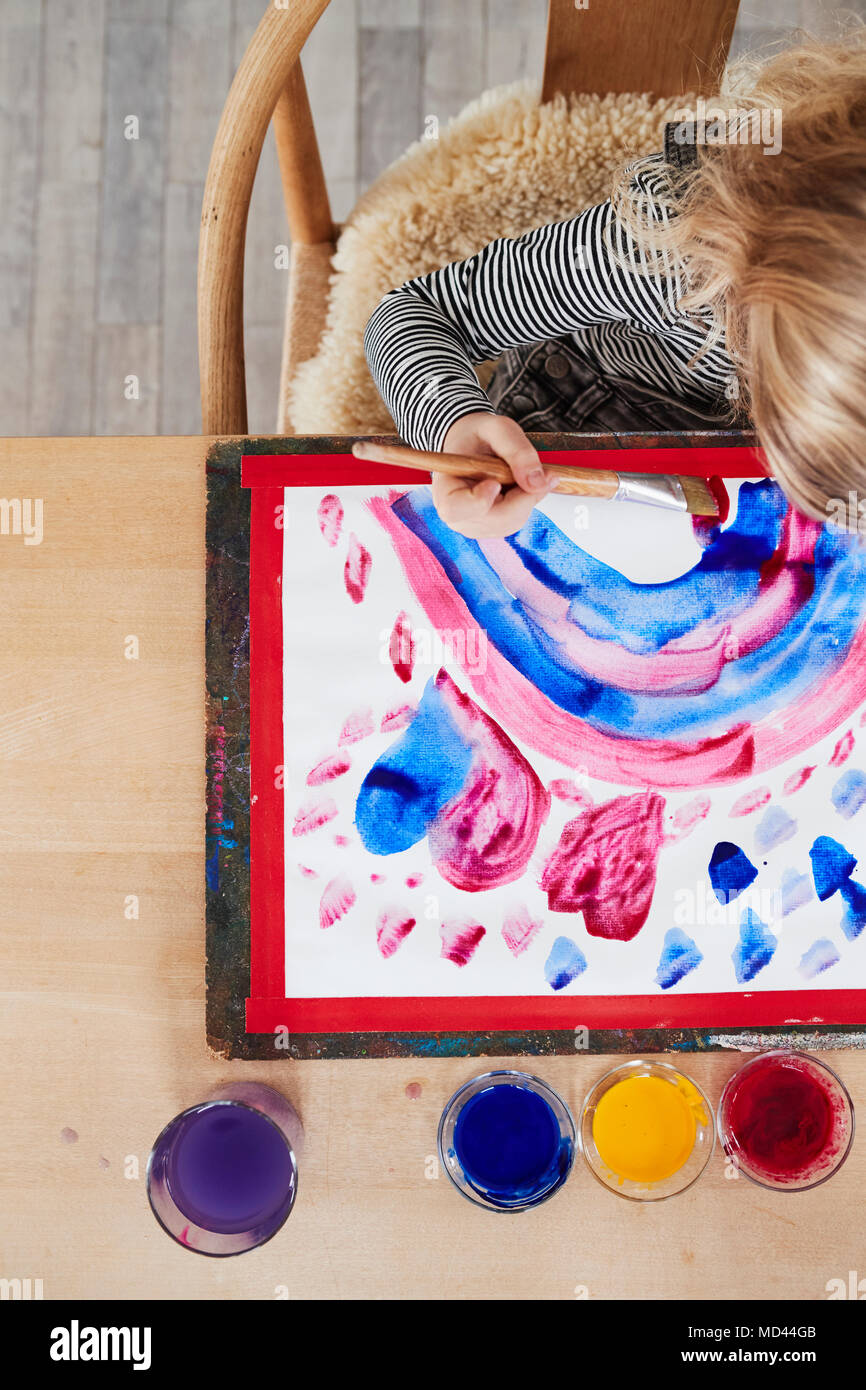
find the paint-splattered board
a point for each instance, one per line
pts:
(334, 929)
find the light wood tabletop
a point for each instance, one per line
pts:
(102, 1025)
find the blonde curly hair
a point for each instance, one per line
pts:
(774, 246)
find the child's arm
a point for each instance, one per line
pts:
(423, 338)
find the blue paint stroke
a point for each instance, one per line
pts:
(831, 866)
(755, 948)
(849, 793)
(819, 957)
(212, 869)
(796, 890)
(774, 828)
(854, 917)
(679, 955)
(407, 787)
(565, 962)
(643, 617)
(731, 871)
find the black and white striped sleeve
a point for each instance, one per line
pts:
(423, 338)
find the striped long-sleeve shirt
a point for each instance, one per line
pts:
(555, 281)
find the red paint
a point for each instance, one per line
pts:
(356, 571)
(842, 752)
(329, 768)
(797, 780)
(605, 865)
(397, 718)
(357, 726)
(313, 814)
(401, 648)
(460, 940)
(751, 801)
(781, 1119)
(336, 900)
(392, 928)
(330, 515)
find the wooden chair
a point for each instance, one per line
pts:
(663, 47)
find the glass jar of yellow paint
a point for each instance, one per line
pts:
(646, 1131)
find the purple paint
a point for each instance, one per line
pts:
(229, 1169)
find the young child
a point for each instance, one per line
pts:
(724, 281)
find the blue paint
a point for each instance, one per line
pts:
(774, 828)
(565, 962)
(796, 890)
(407, 787)
(819, 957)
(731, 871)
(849, 793)
(831, 866)
(679, 955)
(643, 617)
(508, 1142)
(755, 948)
(854, 916)
(212, 869)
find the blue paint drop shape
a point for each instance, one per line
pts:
(755, 948)
(854, 917)
(679, 955)
(796, 890)
(819, 957)
(775, 827)
(731, 871)
(407, 787)
(831, 866)
(565, 962)
(849, 793)
(509, 1144)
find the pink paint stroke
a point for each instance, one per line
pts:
(842, 752)
(328, 769)
(313, 814)
(460, 940)
(342, 841)
(392, 928)
(414, 880)
(397, 718)
(358, 725)
(519, 929)
(307, 872)
(335, 901)
(565, 790)
(797, 780)
(686, 818)
(330, 515)
(401, 648)
(485, 836)
(605, 865)
(751, 801)
(356, 571)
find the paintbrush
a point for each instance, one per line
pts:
(675, 492)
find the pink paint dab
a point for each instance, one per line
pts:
(313, 814)
(397, 718)
(338, 897)
(392, 928)
(519, 929)
(687, 817)
(330, 516)
(413, 1090)
(306, 872)
(329, 768)
(357, 726)
(797, 780)
(401, 648)
(751, 801)
(842, 751)
(460, 940)
(356, 572)
(564, 789)
(377, 878)
(414, 880)
(342, 840)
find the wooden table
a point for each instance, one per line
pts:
(102, 1026)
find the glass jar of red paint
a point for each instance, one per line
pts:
(786, 1121)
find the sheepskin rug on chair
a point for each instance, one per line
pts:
(504, 165)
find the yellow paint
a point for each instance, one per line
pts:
(644, 1127)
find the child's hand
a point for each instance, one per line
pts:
(479, 509)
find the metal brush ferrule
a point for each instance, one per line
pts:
(653, 489)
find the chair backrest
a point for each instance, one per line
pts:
(660, 46)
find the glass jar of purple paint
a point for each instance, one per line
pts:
(222, 1176)
(507, 1141)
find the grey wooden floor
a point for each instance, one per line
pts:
(98, 232)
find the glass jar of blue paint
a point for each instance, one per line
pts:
(507, 1141)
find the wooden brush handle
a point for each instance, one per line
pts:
(579, 482)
